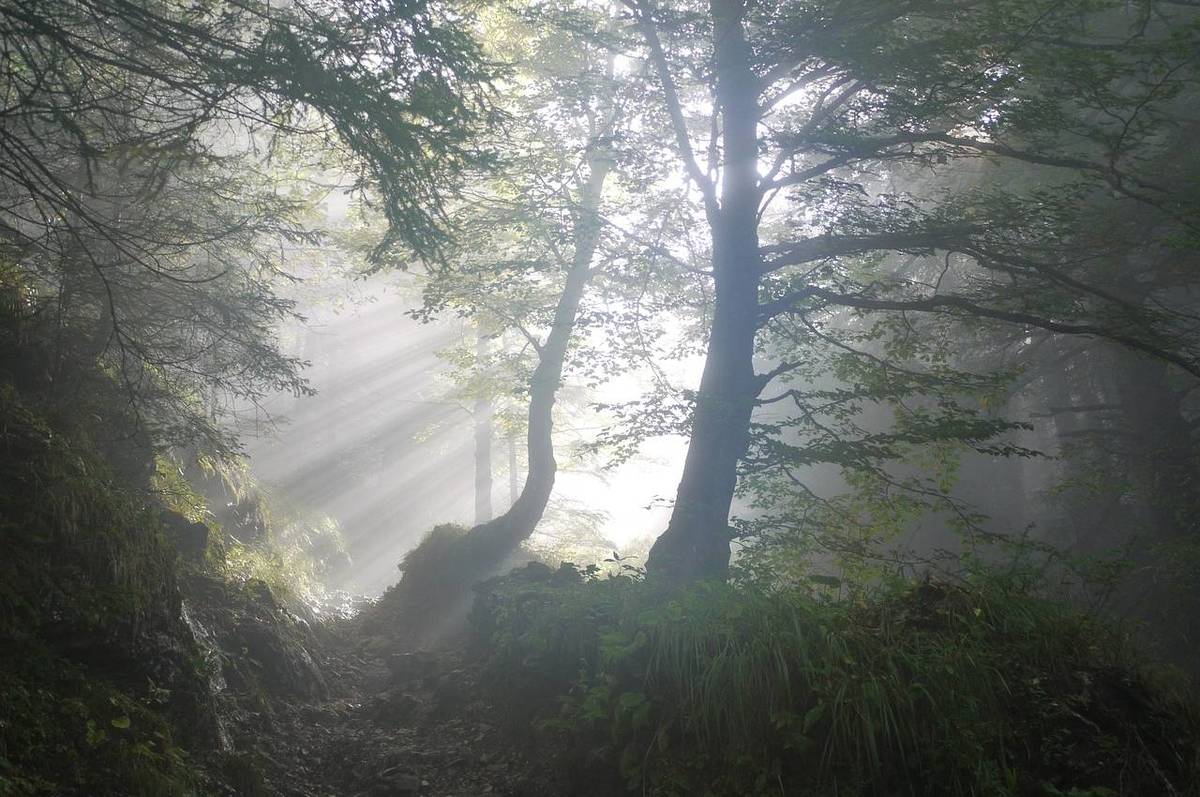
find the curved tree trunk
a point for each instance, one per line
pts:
(507, 531)
(435, 592)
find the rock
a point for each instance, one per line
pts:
(245, 520)
(413, 666)
(188, 538)
(452, 689)
(394, 707)
(319, 714)
(398, 782)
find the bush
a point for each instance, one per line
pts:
(923, 688)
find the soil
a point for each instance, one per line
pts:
(394, 724)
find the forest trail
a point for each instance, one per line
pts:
(394, 724)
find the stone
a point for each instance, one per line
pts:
(188, 538)
(413, 666)
(400, 782)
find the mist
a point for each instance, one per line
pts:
(599, 397)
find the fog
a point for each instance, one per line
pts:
(385, 447)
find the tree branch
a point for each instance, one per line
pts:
(959, 305)
(643, 13)
(796, 253)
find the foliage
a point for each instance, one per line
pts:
(67, 731)
(83, 555)
(925, 177)
(101, 673)
(161, 160)
(251, 536)
(918, 688)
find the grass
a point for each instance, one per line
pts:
(923, 688)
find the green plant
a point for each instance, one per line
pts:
(66, 730)
(916, 688)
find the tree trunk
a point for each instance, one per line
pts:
(510, 529)
(513, 484)
(696, 542)
(434, 594)
(482, 415)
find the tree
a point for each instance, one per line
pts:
(826, 103)
(481, 413)
(142, 197)
(525, 253)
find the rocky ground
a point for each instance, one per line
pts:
(388, 724)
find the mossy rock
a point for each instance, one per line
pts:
(269, 650)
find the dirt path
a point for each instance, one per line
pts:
(394, 725)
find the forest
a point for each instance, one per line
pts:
(599, 397)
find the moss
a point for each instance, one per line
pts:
(250, 536)
(429, 606)
(100, 674)
(271, 652)
(84, 556)
(177, 494)
(244, 775)
(438, 573)
(89, 622)
(66, 732)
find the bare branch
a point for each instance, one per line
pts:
(643, 12)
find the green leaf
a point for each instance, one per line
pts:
(813, 716)
(121, 722)
(631, 700)
(95, 736)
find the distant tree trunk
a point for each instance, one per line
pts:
(696, 542)
(514, 485)
(482, 415)
(1161, 464)
(1160, 449)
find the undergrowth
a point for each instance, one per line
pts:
(83, 556)
(103, 675)
(921, 688)
(292, 547)
(87, 591)
(65, 731)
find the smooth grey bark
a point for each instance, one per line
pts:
(508, 530)
(696, 541)
(433, 596)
